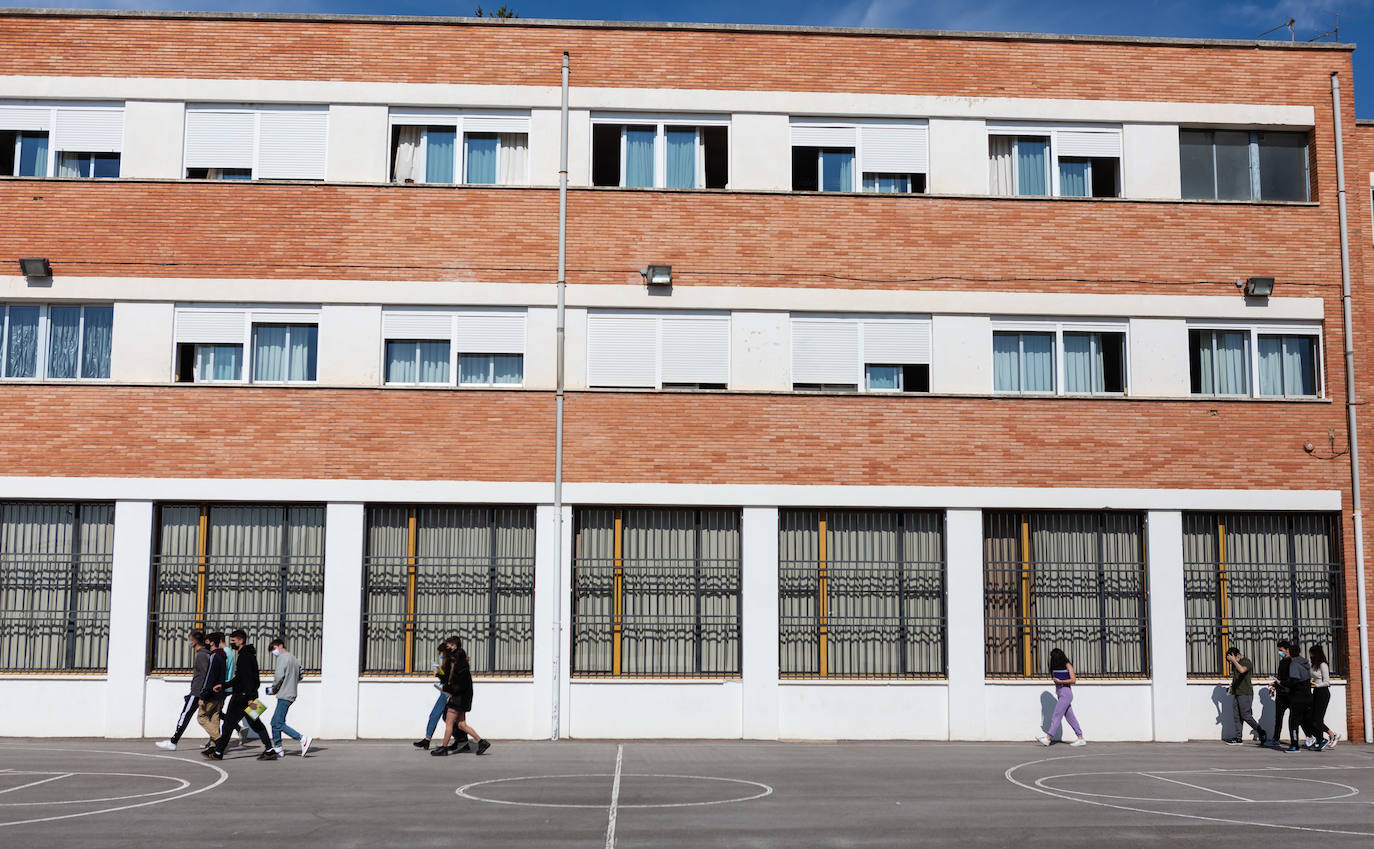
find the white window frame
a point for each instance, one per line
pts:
(250, 317)
(861, 165)
(52, 129)
(44, 335)
(1051, 133)
(1254, 331)
(658, 318)
(861, 360)
(1058, 327)
(257, 110)
(662, 122)
(454, 319)
(459, 120)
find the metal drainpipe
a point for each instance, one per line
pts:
(558, 404)
(1350, 412)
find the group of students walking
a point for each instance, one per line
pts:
(224, 695)
(453, 704)
(1301, 687)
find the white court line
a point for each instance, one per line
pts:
(57, 777)
(1195, 786)
(764, 789)
(615, 797)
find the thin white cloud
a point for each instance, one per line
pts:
(1309, 16)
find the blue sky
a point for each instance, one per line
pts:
(1219, 19)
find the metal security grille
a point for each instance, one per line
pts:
(1251, 579)
(656, 593)
(258, 567)
(1072, 581)
(55, 565)
(861, 594)
(431, 572)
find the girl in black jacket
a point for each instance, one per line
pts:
(458, 685)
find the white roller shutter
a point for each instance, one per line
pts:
(897, 341)
(491, 333)
(808, 135)
(895, 149)
(90, 130)
(286, 317)
(218, 139)
(1089, 143)
(496, 124)
(696, 349)
(291, 143)
(622, 350)
(418, 324)
(825, 351)
(25, 118)
(224, 327)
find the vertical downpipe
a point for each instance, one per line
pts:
(1350, 413)
(558, 400)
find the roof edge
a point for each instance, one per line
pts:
(669, 25)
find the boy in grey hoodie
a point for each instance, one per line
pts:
(288, 675)
(200, 664)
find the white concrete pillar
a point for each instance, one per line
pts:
(759, 627)
(547, 591)
(343, 610)
(563, 643)
(1168, 645)
(128, 661)
(964, 624)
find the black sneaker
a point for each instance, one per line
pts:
(482, 746)
(211, 754)
(268, 755)
(421, 744)
(440, 751)
(465, 747)
(1234, 741)
(1292, 748)
(1319, 745)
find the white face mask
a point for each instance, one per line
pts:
(276, 652)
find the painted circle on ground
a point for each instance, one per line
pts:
(52, 778)
(731, 790)
(1204, 794)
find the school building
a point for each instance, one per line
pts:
(874, 366)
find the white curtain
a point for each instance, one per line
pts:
(999, 165)
(284, 351)
(410, 155)
(64, 341)
(70, 165)
(514, 159)
(1224, 360)
(97, 328)
(1083, 368)
(21, 344)
(1287, 365)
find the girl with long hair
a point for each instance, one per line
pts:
(1062, 674)
(1321, 697)
(458, 685)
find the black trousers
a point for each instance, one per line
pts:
(1321, 698)
(233, 712)
(1299, 717)
(188, 713)
(1280, 707)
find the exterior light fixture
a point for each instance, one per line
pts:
(35, 266)
(657, 275)
(1259, 287)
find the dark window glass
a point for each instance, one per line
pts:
(916, 378)
(1104, 177)
(1283, 166)
(1195, 164)
(105, 165)
(1233, 165)
(806, 169)
(606, 154)
(1113, 362)
(715, 146)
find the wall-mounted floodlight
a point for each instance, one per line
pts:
(1259, 287)
(658, 275)
(35, 266)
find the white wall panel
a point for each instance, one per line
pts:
(153, 139)
(359, 144)
(141, 345)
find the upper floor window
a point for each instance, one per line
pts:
(871, 156)
(55, 342)
(1050, 160)
(1264, 361)
(1243, 165)
(430, 347)
(1062, 358)
(451, 147)
(282, 345)
(869, 354)
(256, 142)
(676, 152)
(60, 141)
(669, 350)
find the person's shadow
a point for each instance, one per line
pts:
(1226, 718)
(1267, 709)
(1047, 703)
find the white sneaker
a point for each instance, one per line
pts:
(1042, 739)
(1331, 744)
(1310, 742)
(280, 752)
(167, 744)
(1079, 742)
(306, 740)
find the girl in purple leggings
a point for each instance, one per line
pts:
(1061, 673)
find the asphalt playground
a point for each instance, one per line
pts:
(686, 794)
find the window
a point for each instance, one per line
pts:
(284, 352)
(258, 567)
(1252, 579)
(1051, 160)
(656, 593)
(55, 342)
(1051, 357)
(435, 571)
(871, 354)
(861, 594)
(1230, 361)
(430, 347)
(1243, 165)
(211, 343)
(670, 350)
(56, 560)
(39, 140)
(683, 152)
(256, 142)
(888, 157)
(453, 147)
(1072, 581)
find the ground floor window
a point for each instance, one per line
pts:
(656, 593)
(1068, 580)
(56, 559)
(431, 572)
(861, 594)
(1252, 579)
(259, 567)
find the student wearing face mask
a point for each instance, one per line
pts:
(1278, 686)
(288, 675)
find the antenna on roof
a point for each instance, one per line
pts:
(1334, 32)
(1286, 25)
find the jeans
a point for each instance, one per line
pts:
(436, 714)
(233, 712)
(279, 723)
(1063, 709)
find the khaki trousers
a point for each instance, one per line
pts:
(208, 717)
